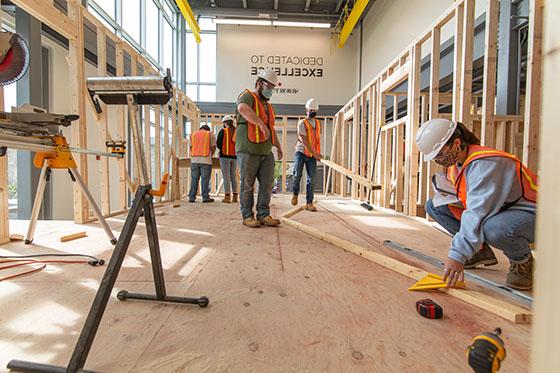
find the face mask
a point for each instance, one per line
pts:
(267, 92)
(449, 158)
(312, 114)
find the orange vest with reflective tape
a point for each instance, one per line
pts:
(527, 180)
(313, 136)
(200, 143)
(228, 142)
(254, 134)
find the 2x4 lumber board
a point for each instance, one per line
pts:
(73, 236)
(387, 150)
(174, 147)
(103, 125)
(345, 172)
(342, 158)
(399, 75)
(458, 63)
(423, 178)
(399, 148)
(412, 154)
(349, 115)
(148, 133)
(534, 85)
(284, 146)
(77, 80)
(489, 79)
(467, 64)
(46, 12)
(157, 145)
(355, 145)
(292, 212)
(488, 303)
(4, 205)
(121, 131)
(334, 144)
(363, 165)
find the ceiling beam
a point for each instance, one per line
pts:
(338, 6)
(258, 13)
(307, 3)
(244, 4)
(275, 4)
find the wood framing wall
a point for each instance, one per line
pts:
(383, 150)
(165, 148)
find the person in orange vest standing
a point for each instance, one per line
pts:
(254, 139)
(228, 159)
(308, 152)
(493, 202)
(203, 146)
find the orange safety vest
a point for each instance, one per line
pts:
(200, 143)
(527, 179)
(313, 136)
(228, 143)
(254, 134)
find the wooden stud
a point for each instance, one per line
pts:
(157, 145)
(73, 236)
(103, 125)
(490, 64)
(4, 205)
(284, 146)
(121, 130)
(458, 63)
(67, 26)
(465, 96)
(534, 84)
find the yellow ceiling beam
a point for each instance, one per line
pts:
(189, 17)
(353, 18)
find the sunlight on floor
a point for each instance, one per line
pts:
(195, 260)
(192, 231)
(46, 319)
(374, 221)
(9, 288)
(20, 350)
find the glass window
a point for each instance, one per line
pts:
(167, 46)
(152, 32)
(108, 6)
(208, 58)
(192, 92)
(131, 18)
(207, 93)
(206, 24)
(192, 58)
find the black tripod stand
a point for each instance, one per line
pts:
(143, 202)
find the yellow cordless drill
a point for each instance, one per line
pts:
(486, 352)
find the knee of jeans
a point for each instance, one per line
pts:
(430, 209)
(495, 233)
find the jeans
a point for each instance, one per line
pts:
(229, 173)
(510, 231)
(255, 167)
(199, 170)
(311, 168)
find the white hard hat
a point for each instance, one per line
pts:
(227, 117)
(312, 104)
(433, 135)
(270, 76)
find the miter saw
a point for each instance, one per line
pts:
(14, 57)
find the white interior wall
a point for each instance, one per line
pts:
(237, 44)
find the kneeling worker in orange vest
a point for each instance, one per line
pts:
(254, 138)
(203, 146)
(494, 203)
(308, 152)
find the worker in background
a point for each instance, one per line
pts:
(308, 152)
(203, 146)
(228, 160)
(254, 139)
(495, 206)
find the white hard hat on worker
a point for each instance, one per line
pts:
(267, 80)
(312, 105)
(227, 118)
(270, 76)
(433, 135)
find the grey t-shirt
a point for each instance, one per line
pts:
(206, 160)
(301, 132)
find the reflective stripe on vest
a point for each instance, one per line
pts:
(313, 137)
(228, 145)
(527, 180)
(200, 144)
(254, 134)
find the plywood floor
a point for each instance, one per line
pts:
(281, 301)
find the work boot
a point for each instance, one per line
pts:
(227, 199)
(192, 200)
(294, 200)
(310, 207)
(520, 275)
(269, 221)
(208, 200)
(484, 257)
(235, 198)
(251, 222)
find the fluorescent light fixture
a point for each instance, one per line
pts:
(301, 24)
(253, 22)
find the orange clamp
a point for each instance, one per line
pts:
(161, 191)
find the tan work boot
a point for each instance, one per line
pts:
(520, 275)
(310, 207)
(294, 200)
(235, 198)
(251, 222)
(227, 199)
(484, 257)
(269, 221)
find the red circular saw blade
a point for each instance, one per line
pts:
(16, 61)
